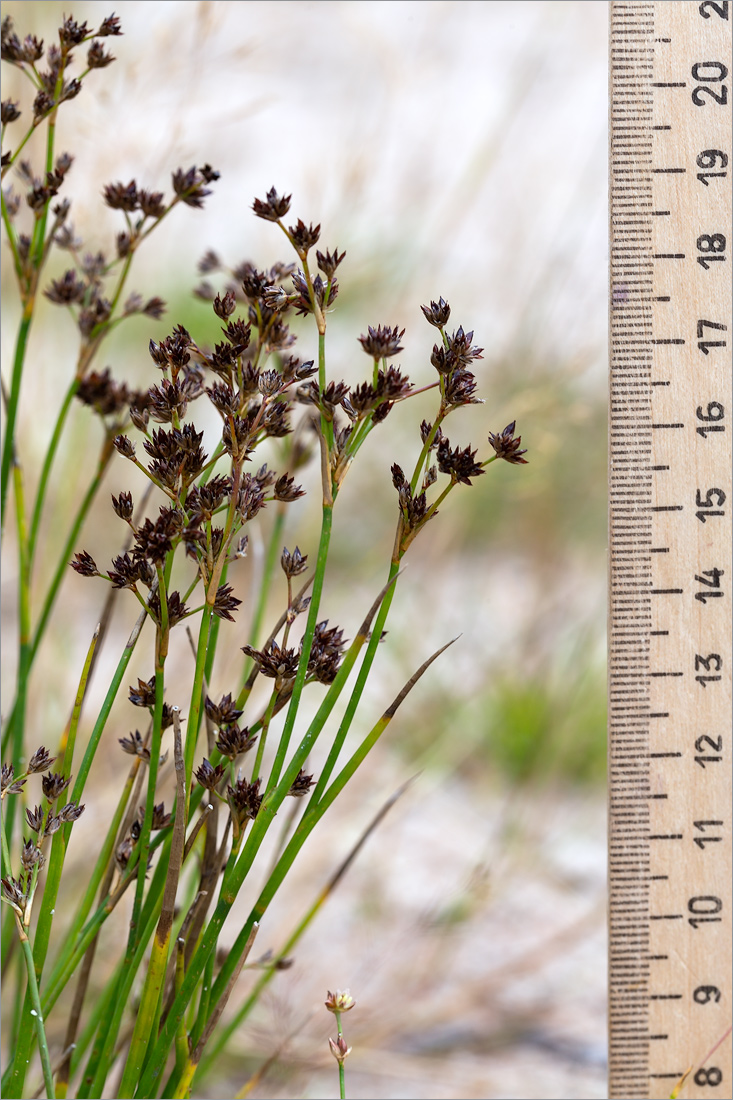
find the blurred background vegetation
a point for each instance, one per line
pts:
(455, 149)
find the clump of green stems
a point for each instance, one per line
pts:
(230, 779)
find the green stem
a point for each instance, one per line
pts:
(12, 237)
(357, 690)
(307, 645)
(203, 1012)
(67, 552)
(263, 735)
(106, 454)
(37, 1015)
(24, 646)
(342, 1083)
(58, 847)
(194, 710)
(271, 556)
(103, 715)
(11, 411)
(143, 843)
(308, 822)
(425, 452)
(47, 464)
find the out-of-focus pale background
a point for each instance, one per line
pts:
(453, 148)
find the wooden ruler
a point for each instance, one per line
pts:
(671, 574)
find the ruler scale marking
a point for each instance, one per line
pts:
(669, 745)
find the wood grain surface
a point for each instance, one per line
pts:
(671, 577)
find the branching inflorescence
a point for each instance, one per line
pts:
(233, 769)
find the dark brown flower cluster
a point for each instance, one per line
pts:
(506, 446)
(326, 652)
(232, 741)
(143, 695)
(244, 802)
(382, 342)
(276, 662)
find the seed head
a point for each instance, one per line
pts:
(72, 33)
(31, 855)
(101, 392)
(459, 463)
(301, 785)
(134, 745)
(144, 694)
(273, 207)
(304, 237)
(189, 186)
(110, 25)
(161, 820)
(14, 892)
(42, 104)
(35, 817)
(72, 811)
(460, 388)
(151, 203)
(124, 446)
(224, 712)
(122, 196)
(208, 776)
(233, 741)
(225, 602)
(382, 342)
(339, 1049)
(278, 664)
(40, 761)
(437, 313)
(286, 490)
(97, 58)
(293, 564)
(123, 505)
(224, 307)
(506, 446)
(8, 783)
(329, 261)
(244, 800)
(54, 784)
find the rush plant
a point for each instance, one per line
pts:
(149, 1022)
